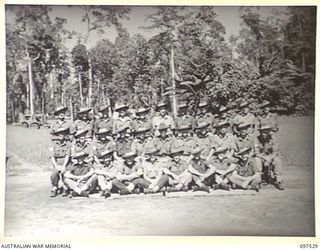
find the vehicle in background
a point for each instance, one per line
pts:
(37, 121)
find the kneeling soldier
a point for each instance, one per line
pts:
(60, 158)
(79, 177)
(267, 153)
(247, 174)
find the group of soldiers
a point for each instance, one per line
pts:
(150, 151)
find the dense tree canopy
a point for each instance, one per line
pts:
(187, 58)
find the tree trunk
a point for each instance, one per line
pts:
(31, 95)
(87, 41)
(71, 111)
(174, 100)
(90, 83)
(303, 56)
(51, 85)
(80, 89)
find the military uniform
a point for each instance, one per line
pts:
(185, 120)
(163, 145)
(123, 146)
(128, 172)
(242, 141)
(103, 123)
(142, 120)
(206, 143)
(270, 120)
(186, 144)
(98, 147)
(59, 124)
(84, 125)
(121, 121)
(80, 170)
(247, 172)
(181, 174)
(138, 123)
(153, 176)
(105, 172)
(267, 153)
(167, 120)
(60, 150)
(208, 117)
(81, 147)
(244, 118)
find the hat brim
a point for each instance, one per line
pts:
(65, 131)
(121, 108)
(81, 156)
(180, 152)
(106, 154)
(84, 111)
(60, 111)
(223, 124)
(104, 109)
(152, 152)
(81, 134)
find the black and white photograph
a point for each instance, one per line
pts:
(159, 120)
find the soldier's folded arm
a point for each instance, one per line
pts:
(168, 172)
(69, 175)
(193, 171)
(91, 172)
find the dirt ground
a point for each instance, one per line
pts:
(31, 212)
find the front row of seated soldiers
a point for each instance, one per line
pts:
(149, 163)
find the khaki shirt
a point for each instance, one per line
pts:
(185, 120)
(270, 119)
(80, 169)
(187, 144)
(178, 167)
(77, 147)
(79, 125)
(119, 122)
(167, 120)
(103, 123)
(60, 124)
(268, 146)
(228, 140)
(208, 117)
(163, 145)
(98, 147)
(247, 168)
(206, 144)
(152, 170)
(241, 143)
(123, 146)
(141, 123)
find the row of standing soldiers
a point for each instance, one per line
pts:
(150, 153)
